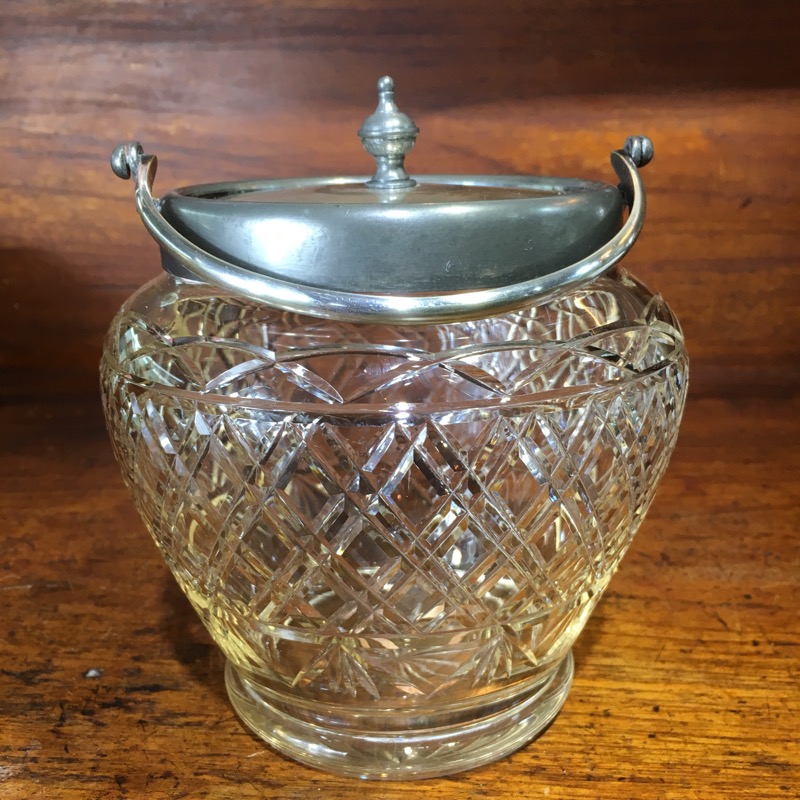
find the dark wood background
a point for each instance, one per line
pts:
(687, 675)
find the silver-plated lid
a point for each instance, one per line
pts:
(392, 247)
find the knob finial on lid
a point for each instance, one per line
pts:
(388, 134)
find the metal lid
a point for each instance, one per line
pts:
(391, 247)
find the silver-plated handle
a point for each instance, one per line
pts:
(129, 160)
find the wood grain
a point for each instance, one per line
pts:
(688, 675)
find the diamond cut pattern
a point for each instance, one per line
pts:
(463, 506)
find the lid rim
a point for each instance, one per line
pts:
(551, 186)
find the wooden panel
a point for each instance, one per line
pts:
(213, 56)
(687, 675)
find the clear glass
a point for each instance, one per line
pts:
(394, 533)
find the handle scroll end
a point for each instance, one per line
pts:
(639, 149)
(129, 160)
(126, 159)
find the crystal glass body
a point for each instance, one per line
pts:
(394, 533)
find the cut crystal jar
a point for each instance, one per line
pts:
(393, 440)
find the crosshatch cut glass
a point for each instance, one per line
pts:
(393, 528)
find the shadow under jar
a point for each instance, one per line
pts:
(394, 496)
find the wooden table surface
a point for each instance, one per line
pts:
(687, 677)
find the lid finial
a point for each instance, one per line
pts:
(387, 135)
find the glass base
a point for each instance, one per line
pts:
(417, 752)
